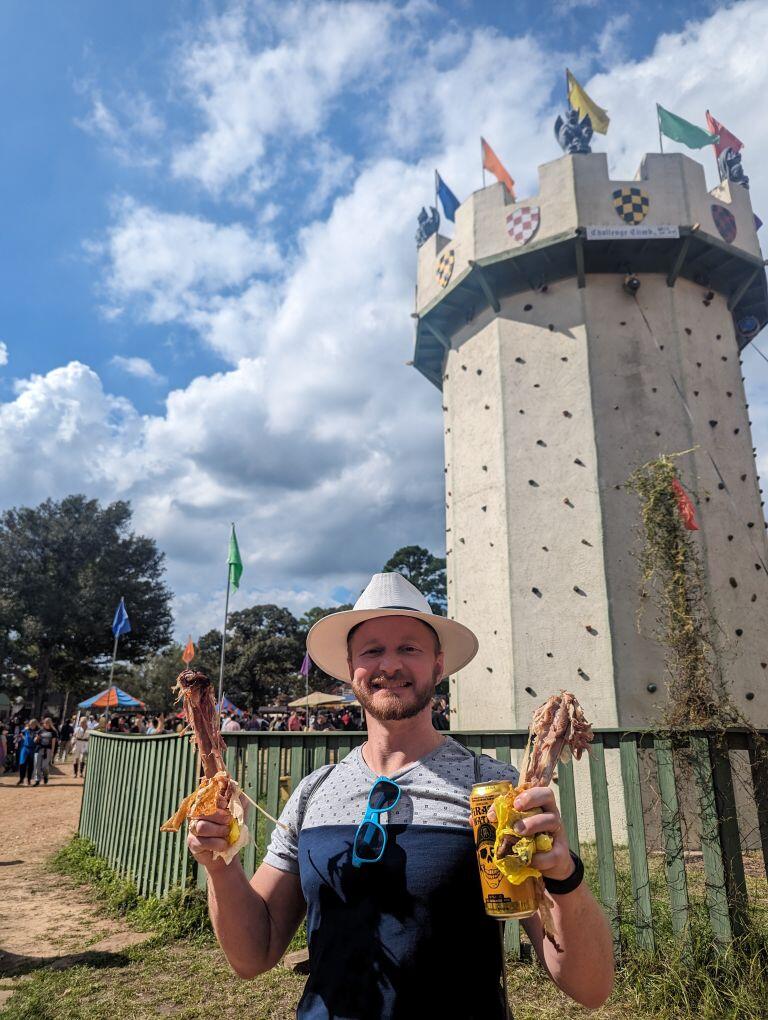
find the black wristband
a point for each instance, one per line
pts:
(561, 886)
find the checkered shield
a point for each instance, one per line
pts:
(523, 223)
(631, 205)
(445, 267)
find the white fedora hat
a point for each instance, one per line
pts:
(387, 595)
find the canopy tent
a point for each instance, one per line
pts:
(227, 706)
(316, 699)
(112, 697)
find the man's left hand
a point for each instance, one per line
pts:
(555, 863)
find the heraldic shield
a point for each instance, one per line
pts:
(725, 223)
(523, 223)
(445, 267)
(631, 204)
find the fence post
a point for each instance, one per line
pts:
(674, 861)
(606, 865)
(638, 856)
(758, 760)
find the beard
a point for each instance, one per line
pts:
(391, 708)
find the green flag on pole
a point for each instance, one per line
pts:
(234, 561)
(683, 131)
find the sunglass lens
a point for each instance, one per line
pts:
(383, 795)
(369, 842)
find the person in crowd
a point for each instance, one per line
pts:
(439, 714)
(26, 743)
(80, 746)
(152, 727)
(346, 719)
(45, 749)
(66, 730)
(294, 723)
(230, 724)
(3, 746)
(102, 724)
(253, 723)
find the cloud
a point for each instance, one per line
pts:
(130, 128)
(140, 368)
(3, 353)
(250, 94)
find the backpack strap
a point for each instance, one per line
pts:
(312, 788)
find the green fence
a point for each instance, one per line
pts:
(134, 783)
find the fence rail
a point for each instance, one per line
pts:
(133, 783)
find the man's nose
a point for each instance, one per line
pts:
(389, 663)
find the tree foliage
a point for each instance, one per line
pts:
(63, 568)
(425, 571)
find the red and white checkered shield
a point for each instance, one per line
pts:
(523, 223)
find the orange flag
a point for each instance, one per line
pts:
(685, 506)
(493, 164)
(189, 652)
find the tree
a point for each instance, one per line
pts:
(153, 679)
(265, 649)
(63, 568)
(425, 571)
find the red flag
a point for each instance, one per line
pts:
(493, 164)
(685, 506)
(727, 140)
(189, 652)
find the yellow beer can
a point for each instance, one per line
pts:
(501, 899)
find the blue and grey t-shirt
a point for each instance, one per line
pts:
(389, 940)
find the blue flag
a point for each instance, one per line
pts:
(121, 624)
(447, 197)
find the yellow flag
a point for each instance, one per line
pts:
(580, 101)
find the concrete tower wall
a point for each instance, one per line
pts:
(552, 398)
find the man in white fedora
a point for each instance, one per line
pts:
(377, 851)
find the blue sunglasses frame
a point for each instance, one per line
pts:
(371, 818)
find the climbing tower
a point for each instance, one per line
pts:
(576, 335)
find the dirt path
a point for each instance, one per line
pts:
(44, 917)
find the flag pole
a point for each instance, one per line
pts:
(223, 642)
(658, 120)
(482, 161)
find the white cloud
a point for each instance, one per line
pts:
(3, 353)
(140, 368)
(249, 93)
(130, 129)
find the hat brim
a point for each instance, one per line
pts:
(327, 640)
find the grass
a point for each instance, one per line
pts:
(181, 972)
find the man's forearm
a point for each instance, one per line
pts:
(240, 920)
(584, 969)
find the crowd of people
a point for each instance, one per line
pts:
(33, 747)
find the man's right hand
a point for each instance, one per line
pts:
(208, 834)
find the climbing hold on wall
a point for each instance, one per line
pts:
(728, 393)
(720, 485)
(743, 478)
(551, 328)
(545, 548)
(521, 411)
(687, 330)
(540, 442)
(527, 308)
(653, 389)
(582, 674)
(567, 414)
(651, 688)
(550, 655)
(753, 598)
(712, 423)
(695, 393)
(485, 467)
(730, 538)
(579, 462)
(568, 503)
(733, 582)
(622, 323)
(479, 371)
(591, 630)
(520, 361)
(749, 695)
(585, 542)
(564, 358)
(484, 509)
(530, 690)
(489, 668)
(719, 336)
(736, 432)
(487, 407)
(534, 483)
(579, 591)
(750, 524)
(463, 368)
(537, 593)
(739, 632)
(462, 541)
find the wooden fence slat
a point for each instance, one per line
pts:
(512, 938)
(251, 788)
(638, 858)
(118, 754)
(104, 750)
(730, 840)
(151, 832)
(567, 788)
(190, 772)
(171, 839)
(142, 861)
(758, 760)
(320, 753)
(141, 781)
(159, 799)
(273, 784)
(123, 848)
(606, 864)
(714, 867)
(674, 861)
(502, 749)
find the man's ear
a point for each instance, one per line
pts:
(351, 670)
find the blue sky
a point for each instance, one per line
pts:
(208, 257)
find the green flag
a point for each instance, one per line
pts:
(680, 130)
(233, 560)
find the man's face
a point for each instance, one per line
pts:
(394, 666)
